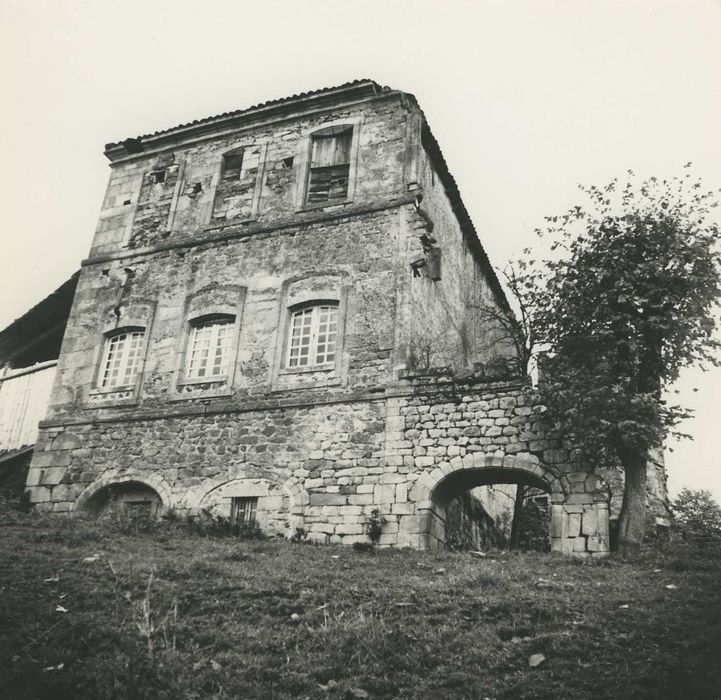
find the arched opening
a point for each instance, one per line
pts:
(490, 508)
(132, 498)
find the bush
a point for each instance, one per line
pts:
(533, 527)
(698, 516)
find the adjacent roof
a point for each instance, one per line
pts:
(39, 331)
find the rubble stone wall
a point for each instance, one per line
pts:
(325, 468)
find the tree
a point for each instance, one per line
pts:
(624, 303)
(698, 515)
(510, 326)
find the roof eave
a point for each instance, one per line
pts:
(297, 104)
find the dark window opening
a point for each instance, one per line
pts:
(157, 177)
(287, 162)
(243, 511)
(232, 166)
(330, 166)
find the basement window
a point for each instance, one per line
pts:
(243, 511)
(329, 171)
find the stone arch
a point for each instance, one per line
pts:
(435, 488)
(216, 494)
(114, 478)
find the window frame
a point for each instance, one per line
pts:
(100, 387)
(240, 505)
(305, 155)
(209, 320)
(316, 307)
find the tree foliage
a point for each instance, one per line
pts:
(697, 515)
(624, 302)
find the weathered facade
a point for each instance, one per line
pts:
(254, 327)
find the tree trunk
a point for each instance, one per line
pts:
(516, 522)
(632, 521)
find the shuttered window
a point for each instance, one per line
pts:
(122, 355)
(330, 165)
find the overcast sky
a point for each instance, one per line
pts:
(526, 99)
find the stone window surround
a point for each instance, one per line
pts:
(297, 292)
(134, 201)
(236, 147)
(303, 160)
(139, 316)
(203, 305)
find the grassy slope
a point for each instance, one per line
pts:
(388, 623)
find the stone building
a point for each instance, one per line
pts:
(257, 330)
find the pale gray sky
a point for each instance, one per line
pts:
(526, 99)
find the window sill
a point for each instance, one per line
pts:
(110, 398)
(225, 223)
(209, 389)
(315, 206)
(200, 382)
(311, 369)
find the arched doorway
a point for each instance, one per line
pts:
(437, 488)
(490, 506)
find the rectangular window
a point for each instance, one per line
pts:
(232, 165)
(330, 165)
(209, 349)
(243, 511)
(312, 336)
(121, 359)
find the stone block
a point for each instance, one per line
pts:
(598, 544)
(63, 492)
(34, 476)
(579, 544)
(39, 494)
(350, 529)
(589, 525)
(328, 499)
(573, 528)
(402, 508)
(384, 493)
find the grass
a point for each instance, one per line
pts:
(96, 611)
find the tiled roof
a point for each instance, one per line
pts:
(359, 88)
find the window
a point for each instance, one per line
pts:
(330, 164)
(157, 177)
(243, 511)
(312, 335)
(122, 356)
(232, 165)
(209, 348)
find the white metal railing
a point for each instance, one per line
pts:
(24, 397)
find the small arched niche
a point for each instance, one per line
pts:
(127, 497)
